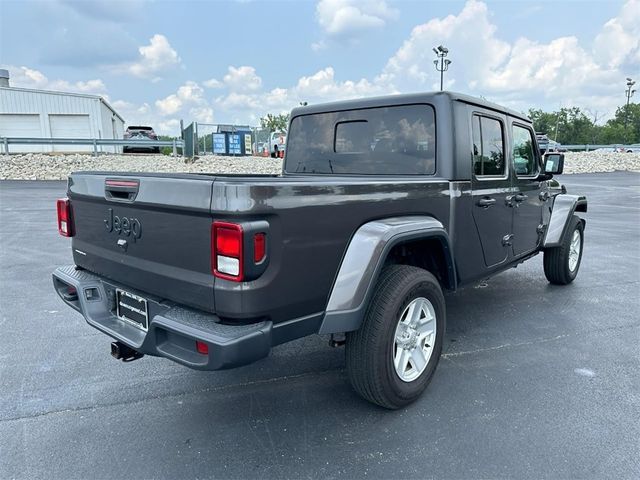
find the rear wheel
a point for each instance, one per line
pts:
(392, 357)
(561, 264)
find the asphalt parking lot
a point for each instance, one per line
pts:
(537, 381)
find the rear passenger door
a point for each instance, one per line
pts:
(529, 194)
(491, 187)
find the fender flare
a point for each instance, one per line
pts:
(564, 206)
(363, 262)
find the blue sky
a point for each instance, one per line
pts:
(234, 61)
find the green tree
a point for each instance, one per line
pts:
(275, 123)
(612, 133)
(573, 126)
(615, 130)
(543, 122)
(567, 125)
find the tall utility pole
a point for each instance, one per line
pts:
(442, 64)
(629, 93)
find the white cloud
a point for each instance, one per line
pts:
(155, 59)
(203, 114)
(90, 86)
(242, 79)
(169, 127)
(169, 105)
(130, 108)
(213, 83)
(619, 41)
(189, 93)
(323, 86)
(552, 69)
(188, 103)
(522, 74)
(470, 37)
(237, 101)
(347, 17)
(29, 78)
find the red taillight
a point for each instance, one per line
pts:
(65, 222)
(227, 251)
(259, 247)
(202, 347)
(228, 240)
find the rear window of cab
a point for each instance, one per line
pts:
(394, 140)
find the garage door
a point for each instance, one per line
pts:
(21, 125)
(70, 126)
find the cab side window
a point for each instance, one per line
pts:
(524, 157)
(488, 147)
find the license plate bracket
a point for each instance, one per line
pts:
(132, 309)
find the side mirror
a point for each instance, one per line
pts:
(553, 163)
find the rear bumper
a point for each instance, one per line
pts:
(140, 148)
(172, 331)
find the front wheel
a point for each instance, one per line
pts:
(561, 264)
(392, 357)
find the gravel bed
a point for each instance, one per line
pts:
(38, 166)
(596, 162)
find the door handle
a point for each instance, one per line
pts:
(486, 202)
(544, 196)
(520, 197)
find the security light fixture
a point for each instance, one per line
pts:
(628, 93)
(442, 64)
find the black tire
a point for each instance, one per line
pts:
(556, 259)
(369, 350)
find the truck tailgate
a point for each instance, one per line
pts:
(148, 232)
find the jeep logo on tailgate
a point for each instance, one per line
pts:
(130, 227)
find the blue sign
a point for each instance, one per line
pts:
(235, 148)
(219, 143)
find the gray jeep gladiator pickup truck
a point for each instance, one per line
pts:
(381, 206)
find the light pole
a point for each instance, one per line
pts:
(629, 93)
(442, 64)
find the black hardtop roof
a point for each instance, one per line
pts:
(403, 99)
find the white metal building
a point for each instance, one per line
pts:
(48, 114)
